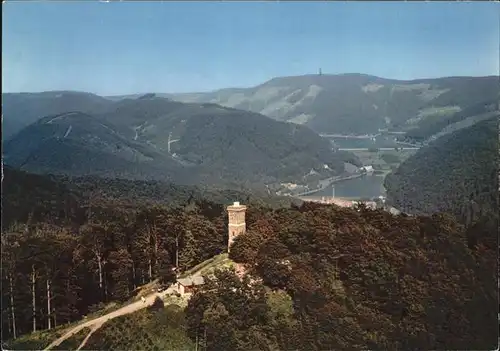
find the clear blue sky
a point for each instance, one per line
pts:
(119, 48)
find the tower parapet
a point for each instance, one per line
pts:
(236, 224)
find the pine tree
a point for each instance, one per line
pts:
(189, 254)
(120, 263)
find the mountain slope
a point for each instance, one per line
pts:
(156, 138)
(457, 173)
(224, 142)
(75, 143)
(354, 103)
(21, 109)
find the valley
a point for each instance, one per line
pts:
(152, 136)
(370, 151)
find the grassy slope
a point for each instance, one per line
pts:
(207, 265)
(143, 330)
(73, 342)
(37, 340)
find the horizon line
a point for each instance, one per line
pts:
(247, 87)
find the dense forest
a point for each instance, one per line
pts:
(69, 245)
(329, 278)
(320, 276)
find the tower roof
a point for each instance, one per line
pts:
(236, 206)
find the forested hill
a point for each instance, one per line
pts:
(21, 109)
(344, 103)
(457, 173)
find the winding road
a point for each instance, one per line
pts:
(379, 148)
(327, 182)
(96, 323)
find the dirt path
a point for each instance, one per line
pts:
(94, 328)
(96, 323)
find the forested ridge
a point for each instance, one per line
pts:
(28, 197)
(457, 173)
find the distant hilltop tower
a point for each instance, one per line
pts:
(236, 225)
(320, 71)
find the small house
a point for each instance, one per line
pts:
(188, 285)
(367, 169)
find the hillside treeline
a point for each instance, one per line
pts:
(33, 197)
(68, 247)
(328, 278)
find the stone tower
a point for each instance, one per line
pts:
(236, 225)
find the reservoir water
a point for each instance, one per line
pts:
(368, 186)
